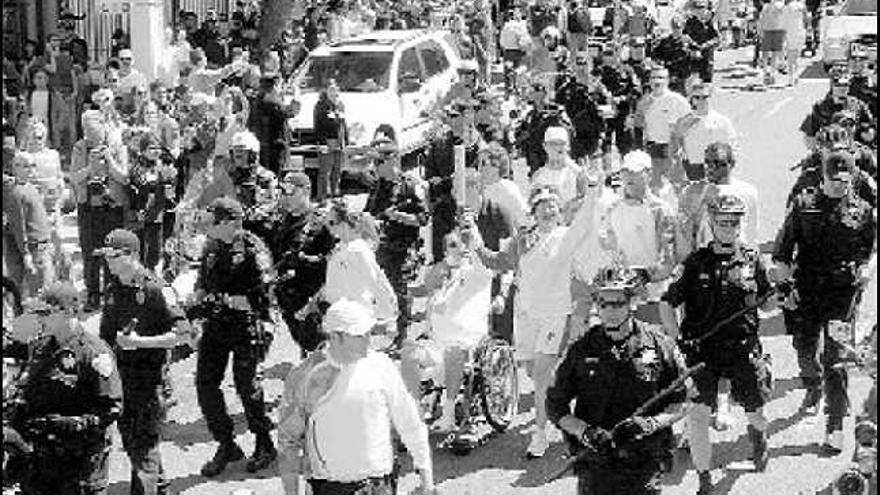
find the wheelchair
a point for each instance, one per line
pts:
(489, 383)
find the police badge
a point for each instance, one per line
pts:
(66, 361)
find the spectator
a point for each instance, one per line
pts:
(772, 37)
(794, 22)
(129, 77)
(48, 176)
(99, 174)
(675, 52)
(152, 183)
(580, 26)
(330, 130)
(700, 28)
(235, 110)
(47, 106)
(698, 129)
(30, 260)
(268, 119)
(660, 110)
(32, 57)
(514, 39)
(560, 172)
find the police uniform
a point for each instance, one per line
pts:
(609, 381)
(397, 253)
(810, 178)
(140, 308)
(234, 278)
(623, 84)
(673, 52)
(712, 287)
(301, 243)
(832, 239)
(256, 188)
(823, 111)
(70, 394)
(530, 134)
(581, 105)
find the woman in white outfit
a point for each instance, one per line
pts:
(543, 258)
(352, 270)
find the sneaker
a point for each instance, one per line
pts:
(810, 404)
(227, 452)
(263, 456)
(539, 444)
(833, 442)
(705, 483)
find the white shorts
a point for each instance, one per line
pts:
(538, 334)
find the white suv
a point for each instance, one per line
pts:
(386, 78)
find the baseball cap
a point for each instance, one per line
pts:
(226, 209)
(125, 53)
(120, 241)
(541, 194)
(298, 179)
(636, 161)
(348, 317)
(556, 135)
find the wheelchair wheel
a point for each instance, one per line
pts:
(499, 390)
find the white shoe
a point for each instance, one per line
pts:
(539, 444)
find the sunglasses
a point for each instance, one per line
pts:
(717, 163)
(612, 304)
(728, 223)
(700, 97)
(452, 245)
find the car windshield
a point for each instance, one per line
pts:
(860, 7)
(355, 72)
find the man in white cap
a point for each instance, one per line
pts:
(659, 110)
(336, 411)
(698, 129)
(129, 77)
(560, 172)
(639, 227)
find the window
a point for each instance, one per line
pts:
(434, 58)
(361, 72)
(409, 66)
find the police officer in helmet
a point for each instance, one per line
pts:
(69, 394)
(824, 245)
(722, 280)
(612, 370)
(232, 296)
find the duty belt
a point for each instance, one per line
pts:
(235, 302)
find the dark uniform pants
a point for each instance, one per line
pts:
(219, 340)
(62, 475)
(151, 237)
(94, 223)
(748, 371)
(140, 428)
(819, 356)
(395, 262)
(599, 480)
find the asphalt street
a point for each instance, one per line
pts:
(767, 121)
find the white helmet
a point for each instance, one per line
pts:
(246, 140)
(636, 161)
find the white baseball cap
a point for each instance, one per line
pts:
(556, 134)
(636, 161)
(348, 317)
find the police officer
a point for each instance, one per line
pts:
(581, 99)
(824, 244)
(399, 203)
(70, 393)
(623, 84)
(833, 138)
(611, 371)
(863, 84)
(837, 99)
(719, 281)
(530, 133)
(142, 327)
(256, 187)
(301, 243)
(232, 293)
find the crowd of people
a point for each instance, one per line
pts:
(600, 195)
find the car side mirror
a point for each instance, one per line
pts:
(409, 84)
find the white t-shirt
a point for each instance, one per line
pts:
(793, 23)
(634, 227)
(661, 113)
(712, 128)
(40, 105)
(458, 309)
(354, 274)
(350, 428)
(563, 179)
